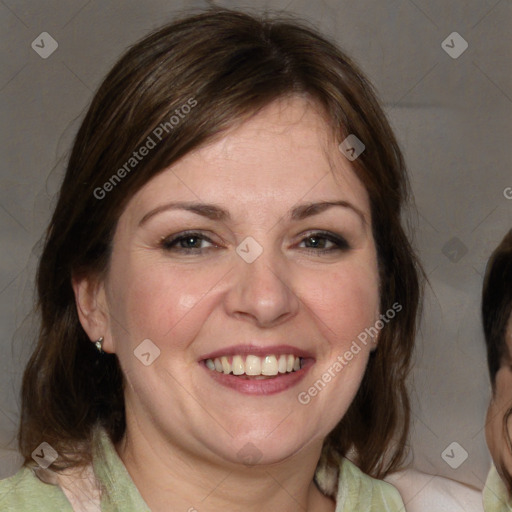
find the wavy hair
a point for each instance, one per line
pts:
(233, 64)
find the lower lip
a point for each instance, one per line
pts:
(261, 386)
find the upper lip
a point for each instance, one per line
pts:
(257, 350)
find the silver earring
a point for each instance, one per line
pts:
(99, 345)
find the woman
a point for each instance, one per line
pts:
(228, 297)
(497, 321)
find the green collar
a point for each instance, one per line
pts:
(495, 495)
(352, 489)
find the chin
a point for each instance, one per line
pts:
(266, 449)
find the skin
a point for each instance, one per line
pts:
(184, 430)
(501, 402)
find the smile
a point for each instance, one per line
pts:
(254, 369)
(254, 366)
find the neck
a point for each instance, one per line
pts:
(164, 473)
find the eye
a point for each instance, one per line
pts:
(188, 242)
(324, 242)
(196, 243)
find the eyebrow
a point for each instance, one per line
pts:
(214, 212)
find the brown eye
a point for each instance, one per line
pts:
(187, 242)
(324, 242)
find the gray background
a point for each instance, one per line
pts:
(452, 117)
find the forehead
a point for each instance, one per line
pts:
(286, 153)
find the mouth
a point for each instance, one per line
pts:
(258, 370)
(255, 367)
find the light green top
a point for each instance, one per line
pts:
(495, 495)
(24, 491)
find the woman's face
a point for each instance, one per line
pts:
(258, 244)
(501, 402)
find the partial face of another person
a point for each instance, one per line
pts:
(256, 244)
(497, 425)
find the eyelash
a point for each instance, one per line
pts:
(170, 243)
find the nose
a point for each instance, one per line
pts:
(262, 292)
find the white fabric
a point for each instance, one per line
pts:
(429, 493)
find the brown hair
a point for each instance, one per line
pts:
(232, 64)
(496, 315)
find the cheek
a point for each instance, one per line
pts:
(492, 430)
(498, 408)
(151, 299)
(345, 301)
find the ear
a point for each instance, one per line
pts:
(92, 309)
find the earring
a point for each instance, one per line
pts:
(99, 345)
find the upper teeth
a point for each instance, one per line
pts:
(254, 365)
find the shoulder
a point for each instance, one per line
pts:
(359, 491)
(422, 492)
(26, 492)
